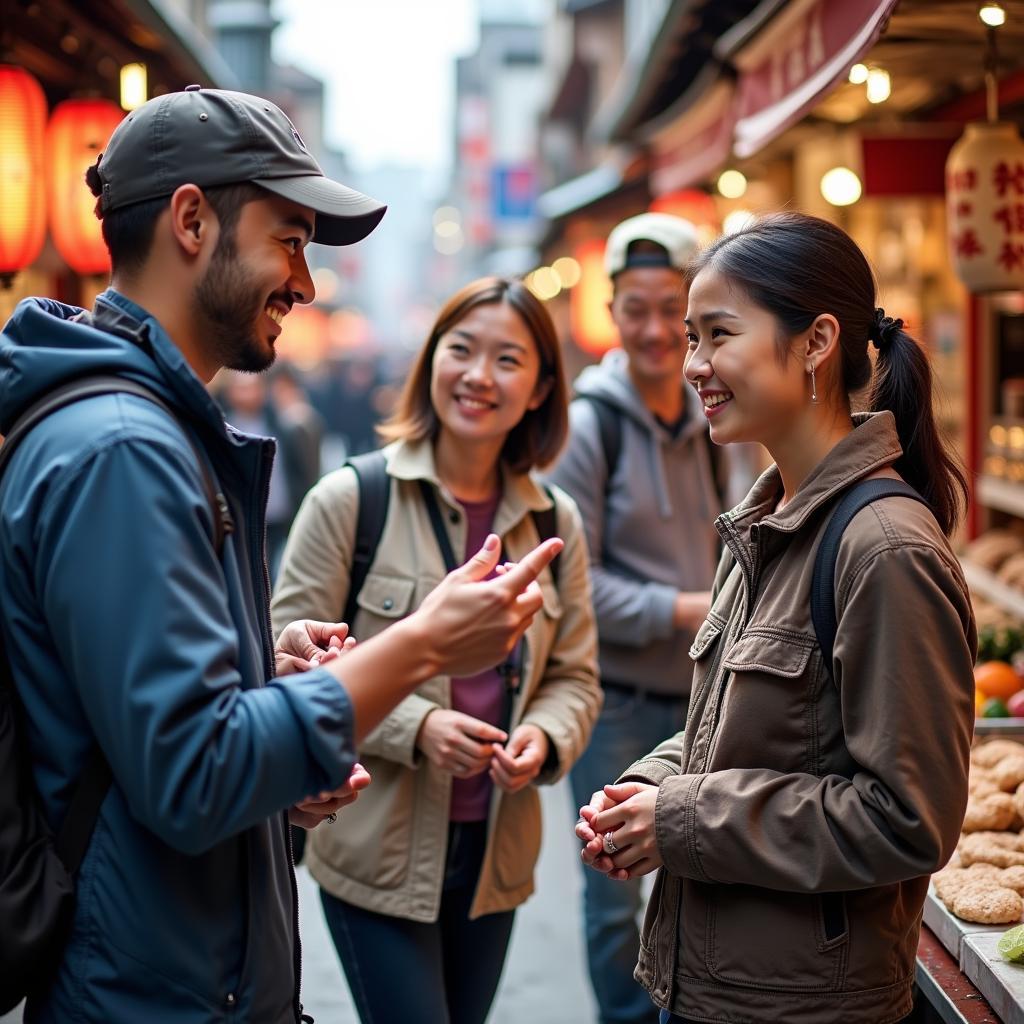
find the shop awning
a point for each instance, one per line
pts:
(802, 51)
(694, 137)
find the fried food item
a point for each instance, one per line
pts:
(988, 755)
(951, 880)
(991, 812)
(986, 903)
(1008, 773)
(981, 784)
(1012, 878)
(1003, 849)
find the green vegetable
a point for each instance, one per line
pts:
(995, 708)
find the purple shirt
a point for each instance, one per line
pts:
(481, 696)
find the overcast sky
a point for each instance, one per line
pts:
(388, 67)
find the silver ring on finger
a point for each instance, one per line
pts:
(609, 844)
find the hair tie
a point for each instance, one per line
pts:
(883, 329)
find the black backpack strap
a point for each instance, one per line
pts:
(823, 582)
(437, 525)
(546, 522)
(374, 497)
(609, 425)
(89, 387)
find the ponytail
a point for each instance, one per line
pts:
(902, 384)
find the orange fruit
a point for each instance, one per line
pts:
(979, 701)
(996, 679)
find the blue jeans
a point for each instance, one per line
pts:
(631, 724)
(409, 972)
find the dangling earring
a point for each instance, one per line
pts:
(814, 387)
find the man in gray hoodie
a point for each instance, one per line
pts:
(640, 466)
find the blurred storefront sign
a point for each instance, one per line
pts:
(798, 58)
(514, 193)
(689, 148)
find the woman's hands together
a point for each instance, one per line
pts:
(464, 747)
(626, 811)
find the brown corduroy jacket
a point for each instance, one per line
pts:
(800, 814)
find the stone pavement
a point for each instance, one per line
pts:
(545, 977)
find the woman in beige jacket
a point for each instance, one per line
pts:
(419, 885)
(798, 816)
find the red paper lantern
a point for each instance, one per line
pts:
(77, 134)
(22, 198)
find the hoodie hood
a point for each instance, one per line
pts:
(609, 380)
(44, 345)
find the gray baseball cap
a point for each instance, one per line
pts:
(209, 137)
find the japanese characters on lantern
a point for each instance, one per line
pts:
(985, 207)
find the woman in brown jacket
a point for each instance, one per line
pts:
(420, 887)
(797, 818)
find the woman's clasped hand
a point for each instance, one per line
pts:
(617, 831)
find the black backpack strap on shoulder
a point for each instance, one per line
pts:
(89, 387)
(437, 525)
(374, 496)
(546, 522)
(609, 425)
(823, 582)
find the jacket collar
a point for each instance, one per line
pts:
(414, 460)
(872, 445)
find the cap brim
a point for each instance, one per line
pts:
(343, 215)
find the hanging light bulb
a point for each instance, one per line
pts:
(841, 186)
(992, 15)
(858, 74)
(879, 85)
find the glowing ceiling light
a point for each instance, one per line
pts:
(879, 85)
(992, 15)
(841, 187)
(134, 86)
(859, 74)
(732, 184)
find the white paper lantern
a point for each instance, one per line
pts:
(985, 207)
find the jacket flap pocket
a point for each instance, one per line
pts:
(707, 634)
(389, 596)
(770, 652)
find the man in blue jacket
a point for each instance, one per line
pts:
(129, 634)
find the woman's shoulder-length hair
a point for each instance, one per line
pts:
(539, 436)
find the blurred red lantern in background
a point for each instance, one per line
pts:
(592, 327)
(22, 198)
(77, 134)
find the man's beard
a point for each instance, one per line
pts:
(227, 304)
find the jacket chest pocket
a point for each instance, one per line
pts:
(382, 601)
(769, 715)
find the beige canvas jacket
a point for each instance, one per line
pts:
(799, 817)
(387, 852)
